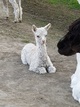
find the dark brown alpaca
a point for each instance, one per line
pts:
(70, 43)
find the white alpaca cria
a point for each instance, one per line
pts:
(36, 55)
(16, 4)
(75, 81)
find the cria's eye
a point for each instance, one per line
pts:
(45, 35)
(38, 36)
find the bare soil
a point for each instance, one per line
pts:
(18, 86)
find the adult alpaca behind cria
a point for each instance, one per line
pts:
(16, 4)
(69, 45)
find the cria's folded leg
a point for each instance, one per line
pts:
(23, 57)
(41, 70)
(51, 68)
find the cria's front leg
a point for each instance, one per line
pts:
(51, 68)
(41, 70)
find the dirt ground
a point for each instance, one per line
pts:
(18, 86)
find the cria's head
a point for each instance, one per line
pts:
(41, 33)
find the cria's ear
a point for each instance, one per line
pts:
(34, 28)
(48, 26)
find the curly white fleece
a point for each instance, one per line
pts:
(36, 55)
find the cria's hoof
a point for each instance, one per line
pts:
(51, 69)
(42, 72)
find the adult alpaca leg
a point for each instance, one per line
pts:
(5, 6)
(16, 10)
(20, 11)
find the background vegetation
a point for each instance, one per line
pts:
(69, 3)
(61, 13)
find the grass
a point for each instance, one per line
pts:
(69, 3)
(61, 13)
(25, 41)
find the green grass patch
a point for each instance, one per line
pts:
(25, 41)
(69, 3)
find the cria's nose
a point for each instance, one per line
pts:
(43, 41)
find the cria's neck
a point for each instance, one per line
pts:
(42, 50)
